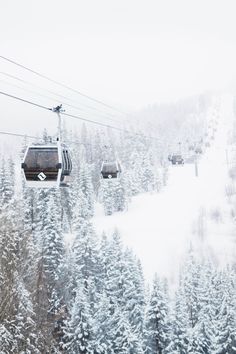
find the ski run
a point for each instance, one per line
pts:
(190, 211)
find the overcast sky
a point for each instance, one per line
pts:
(129, 53)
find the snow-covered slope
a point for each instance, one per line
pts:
(189, 211)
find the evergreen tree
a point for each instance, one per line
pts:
(120, 197)
(179, 325)
(147, 177)
(191, 276)
(101, 326)
(125, 340)
(16, 309)
(225, 333)
(7, 182)
(157, 331)
(108, 196)
(85, 185)
(78, 334)
(85, 247)
(134, 296)
(25, 321)
(51, 272)
(7, 340)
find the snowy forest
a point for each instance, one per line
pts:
(64, 288)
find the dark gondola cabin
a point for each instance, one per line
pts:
(46, 166)
(110, 170)
(177, 160)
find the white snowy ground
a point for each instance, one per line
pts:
(189, 211)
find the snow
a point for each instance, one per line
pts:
(189, 211)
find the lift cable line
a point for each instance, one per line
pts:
(103, 113)
(49, 98)
(78, 117)
(18, 135)
(26, 136)
(23, 100)
(62, 85)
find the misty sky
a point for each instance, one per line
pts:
(129, 53)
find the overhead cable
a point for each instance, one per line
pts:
(78, 117)
(26, 136)
(103, 113)
(61, 84)
(20, 135)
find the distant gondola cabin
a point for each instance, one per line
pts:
(110, 170)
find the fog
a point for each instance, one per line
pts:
(126, 53)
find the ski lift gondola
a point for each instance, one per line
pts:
(177, 159)
(47, 166)
(110, 169)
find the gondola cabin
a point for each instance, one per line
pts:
(46, 166)
(177, 160)
(110, 170)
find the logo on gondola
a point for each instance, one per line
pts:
(41, 176)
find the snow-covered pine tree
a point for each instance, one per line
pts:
(86, 141)
(125, 340)
(78, 332)
(225, 322)
(51, 273)
(134, 174)
(7, 182)
(101, 324)
(82, 181)
(7, 340)
(108, 196)
(85, 280)
(25, 321)
(122, 287)
(178, 340)
(28, 208)
(97, 153)
(102, 267)
(85, 247)
(157, 320)
(120, 195)
(85, 185)
(147, 176)
(134, 297)
(191, 279)
(208, 307)
(114, 282)
(16, 310)
(197, 341)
